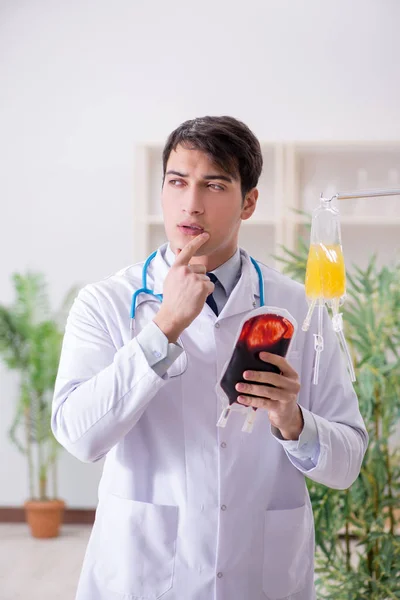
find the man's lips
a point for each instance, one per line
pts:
(190, 229)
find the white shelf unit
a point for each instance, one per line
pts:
(294, 176)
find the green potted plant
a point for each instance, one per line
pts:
(358, 530)
(30, 343)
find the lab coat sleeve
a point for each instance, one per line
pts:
(333, 404)
(305, 450)
(100, 391)
(159, 353)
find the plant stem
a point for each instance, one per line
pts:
(378, 424)
(390, 491)
(43, 486)
(52, 463)
(27, 415)
(41, 459)
(347, 533)
(370, 561)
(54, 473)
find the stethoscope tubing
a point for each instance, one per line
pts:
(145, 290)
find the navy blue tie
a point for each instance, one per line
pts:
(210, 299)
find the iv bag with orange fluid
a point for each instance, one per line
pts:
(326, 278)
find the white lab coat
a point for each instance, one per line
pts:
(187, 510)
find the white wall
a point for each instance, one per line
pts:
(82, 82)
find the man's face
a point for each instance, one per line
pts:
(198, 196)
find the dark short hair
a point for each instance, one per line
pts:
(229, 143)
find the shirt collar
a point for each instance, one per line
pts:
(228, 273)
(169, 256)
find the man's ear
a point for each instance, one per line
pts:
(249, 204)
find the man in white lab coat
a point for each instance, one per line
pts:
(188, 510)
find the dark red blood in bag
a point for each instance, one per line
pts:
(264, 333)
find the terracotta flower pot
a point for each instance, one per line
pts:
(44, 517)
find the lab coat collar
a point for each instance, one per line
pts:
(158, 270)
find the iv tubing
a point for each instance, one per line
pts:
(307, 320)
(347, 353)
(318, 340)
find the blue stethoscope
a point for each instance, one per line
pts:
(145, 290)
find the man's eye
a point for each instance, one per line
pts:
(216, 186)
(176, 182)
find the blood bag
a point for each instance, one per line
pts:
(265, 329)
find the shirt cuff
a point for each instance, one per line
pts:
(307, 447)
(159, 353)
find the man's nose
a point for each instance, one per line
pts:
(192, 201)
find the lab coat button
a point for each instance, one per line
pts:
(220, 575)
(223, 445)
(217, 325)
(223, 507)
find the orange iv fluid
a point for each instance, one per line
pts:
(325, 274)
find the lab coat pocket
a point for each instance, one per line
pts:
(136, 547)
(288, 550)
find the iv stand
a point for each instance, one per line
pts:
(367, 194)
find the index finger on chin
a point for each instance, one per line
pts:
(186, 254)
